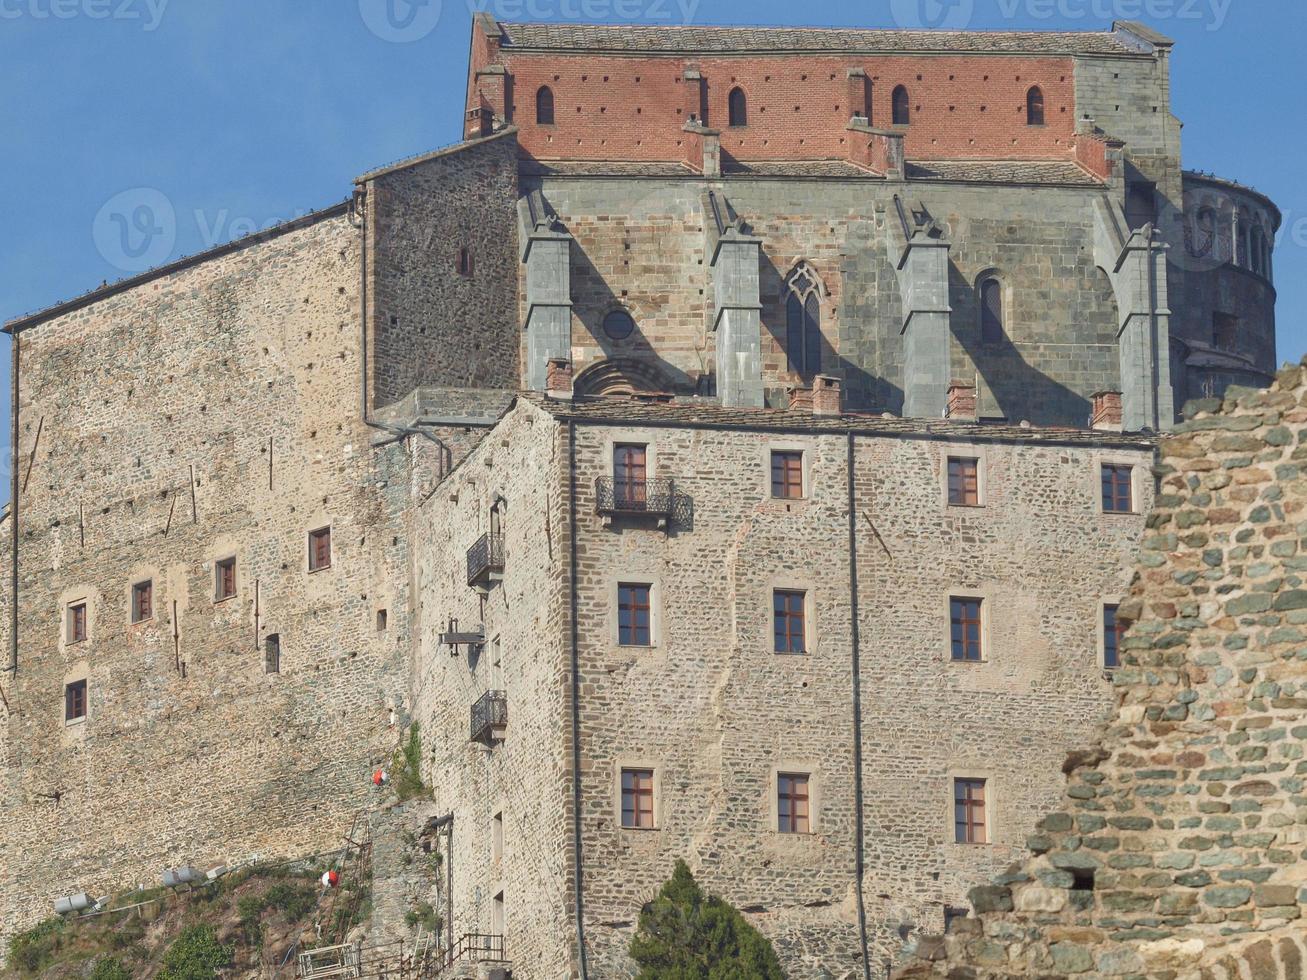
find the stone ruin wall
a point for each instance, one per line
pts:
(1180, 850)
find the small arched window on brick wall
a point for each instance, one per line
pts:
(1035, 107)
(902, 106)
(803, 321)
(992, 329)
(544, 106)
(737, 108)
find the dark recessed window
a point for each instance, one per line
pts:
(272, 653)
(224, 579)
(618, 325)
(544, 106)
(792, 803)
(1117, 492)
(964, 629)
(1140, 204)
(969, 811)
(630, 476)
(1225, 331)
(633, 616)
(1113, 630)
(1035, 107)
(319, 549)
(737, 108)
(788, 621)
(803, 321)
(142, 601)
(991, 312)
(787, 475)
(75, 701)
(902, 107)
(963, 481)
(464, 263)
(638, 798)
(76, 622)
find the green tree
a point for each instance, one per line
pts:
(687, 935)
(195, 955)
(110, 969)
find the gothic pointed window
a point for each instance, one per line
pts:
(803, 321)
(1035, 107)
(737, 108)
(991, 311)
(902, 106)
(544, 106)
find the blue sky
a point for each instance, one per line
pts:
(235, 114)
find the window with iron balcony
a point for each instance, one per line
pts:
(631, 491)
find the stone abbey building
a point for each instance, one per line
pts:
(777, 406)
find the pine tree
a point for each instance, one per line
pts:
(687, 935)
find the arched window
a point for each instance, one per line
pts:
(991, 311)
(737, 108)
(1201, 241)
(544, 106)
(1259, 250)
(1035, 107)
(803, 321)
(902, 106)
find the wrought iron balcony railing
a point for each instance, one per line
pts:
(489, 716)
(485, 558)
(652, 497)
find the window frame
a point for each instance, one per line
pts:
(804, 613)
(731, 119)
(1104, 464)
(1116, 634)
(272, 653)
(71, 698)
(1035, 99)
(71, 634)
(313, 565)
(221, 567)
(134, 608)
(549, 92)
(638, 791)
(903, 117)
(806, 799)
(650, 588)
(497, 837)
(772, 453)
(974, 456)
(623, 446)
(982, 627)
(988, 337)
(986, 805)
(802, 294)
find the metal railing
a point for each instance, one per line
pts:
(474, 947)
(489, 713)
(653, 497)
(485, 558)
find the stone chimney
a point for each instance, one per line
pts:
(826, 396)
(800, 398)
(1106, 416)
(961, 401)
(558, 378)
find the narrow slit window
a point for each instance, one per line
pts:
(638, 798)
(224, 579)
(1035, 107)
(902, 106)
(792, 803)
(272, 653)
(544, 106)
(465, 261)
(320, 549)
(991, 312)
(737, 108)
(1113, 630)
(142, 601)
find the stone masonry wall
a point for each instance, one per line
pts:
(1178, 851)
(207, 413)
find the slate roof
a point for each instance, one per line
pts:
(702, 413)
(1002, 172)
(748, 40)
(1035, 172)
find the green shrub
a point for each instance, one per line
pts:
(195, 955)
(110, 969)
(425, 916)
(406, 767)
(685, 935)
(31, 951)
(296, 901)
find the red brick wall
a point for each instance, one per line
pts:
(633, 108)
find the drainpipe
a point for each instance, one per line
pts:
(13, 506)
(576, 703)
(859, 830)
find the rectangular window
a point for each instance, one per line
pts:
(638, 798)
(76, 622)
(788, 621)
(224, 579)
(964, 628)
(497, 837)
(787, 475)
(320, 549)
(75, 701)
(630, 476)
(633, 616)
(272, 653)
(792, 803)
(969, 811)
(963, 481)
(1112, 632)
(1117, 495)
(142, 601)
